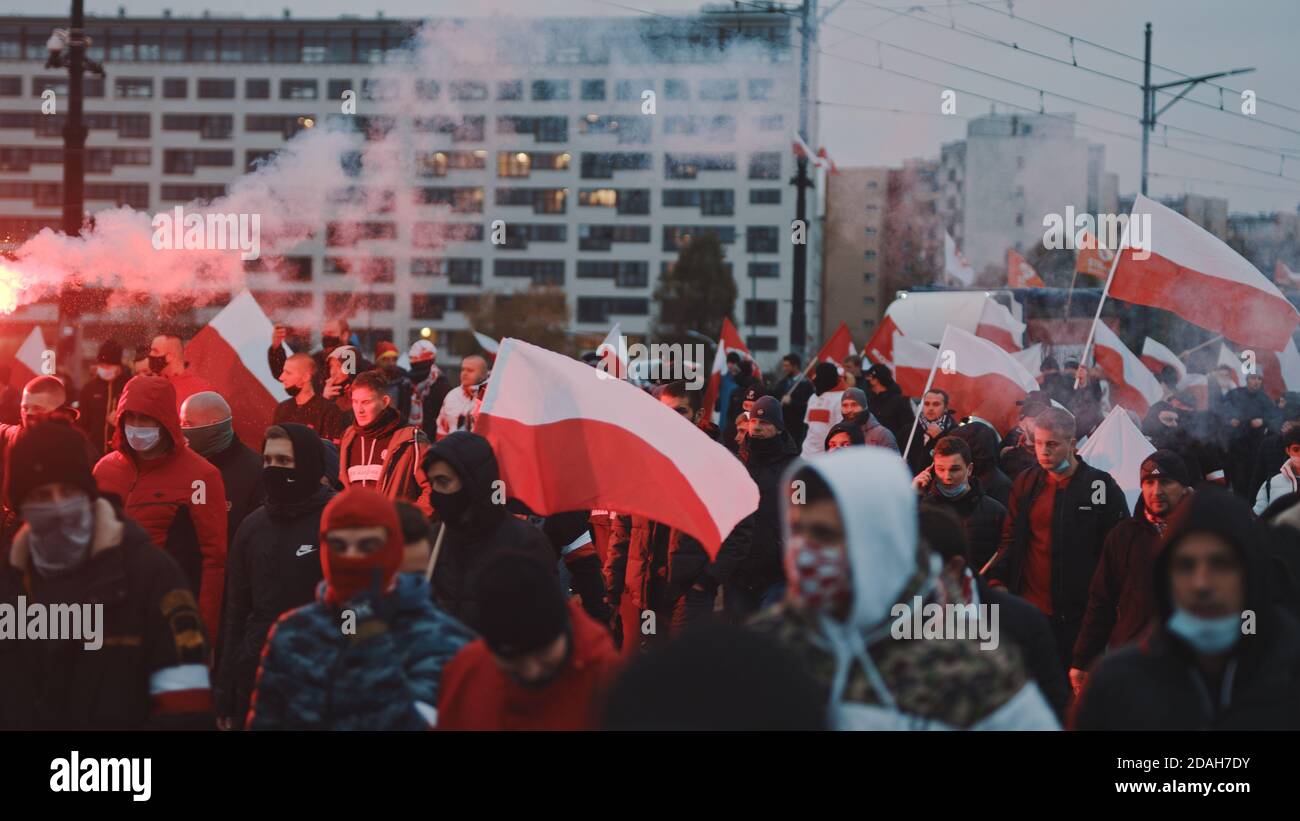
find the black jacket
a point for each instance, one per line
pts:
(894, 412)
(97, 410)
(794, 412)
(1015, 460)
(485, 530)
(1084, 513)
(763, 568)
(1031, 632)
(983, 441)
(241, 470)
(922, 448)
(1156, 684)
(981, 516)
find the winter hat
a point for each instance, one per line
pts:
(521, 606)
(47, 452)
(857, 436)
(385, 348)
(857, 395)
(347, 576)
(825, 377)
(1166, 464)
(768, 409)
(110, 353)
(422, 349)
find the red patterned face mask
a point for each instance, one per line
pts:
(818, 576)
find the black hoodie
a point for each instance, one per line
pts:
(1157, 685)
(768, 461)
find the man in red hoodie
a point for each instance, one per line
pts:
(541, 664)
(176, 495)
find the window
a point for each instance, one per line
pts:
(599, 309)
(465, 200)
(298, 89)
(719, 128)
(257, 89)
(522, 163)
(465, 271)
(134, 87)
(631, 89)
(185, 161)
(186, 193)
(602, 237)
(334, 89)
(427, 89)
(769, 122)
(765, 196)
(550, 89)
(761, 343)
(253, 157)
(626, 274)
(766, 165)
(461, 129)
(543, 200)
(468, 91)
(379, 89)
(719, 89)
(677, 236)
(760, 311)
(677, 90)
(438, 234)
(13, 87)
(176, 88)
(209, 126)
(211, 88)
(1020, 165)
(540, 271)
(593, 89)
(764, 270)
(761, 88)
(1020, 220)
(868, 278)
(519, 235)
(688, 166)
(510, 90)
(762, 239)
(349, 233)
(868, 254)
(870, 230)
(543, 129)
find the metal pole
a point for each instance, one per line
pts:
(799, 284)
(74, 174)
(1147, 105)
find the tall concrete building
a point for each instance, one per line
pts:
(603, 144)
(856, 207)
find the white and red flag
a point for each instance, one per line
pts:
(230, 353)
(1280, 370)
(1132, 385)
(30, 357)
(1020, 274)
(1227, 359)
(568, 439)
(880, 347)
(1157, 357)
(1192, 273)
(912, 363)
(1031, 358)
(837, 349)
(997, 325)
(954, 262)
(982, 379)
(487, 343)
(729, 341)
(1118, 447)
(1284, 277)
(613, 353)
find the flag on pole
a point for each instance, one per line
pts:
(912, 363)
(982, 379)
(838, 348)
(1118, 447)
(1030, 358)
(1090, 259)
(230, 354)
(1229, 360)
(1284, 277)
(997, 325)
(613, 353)
(568, 439)
(954, 263)
(1132, 384)
(29, 358)
(1192, 273)
(880, 347)
(728, 341)
(1280, 370)
(1021, 274)
(1157, 357)
(487, 343)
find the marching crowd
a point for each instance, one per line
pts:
(362, 566)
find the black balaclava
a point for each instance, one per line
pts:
(826, 377)
(287, 486)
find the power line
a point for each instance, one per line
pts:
(1221, 182)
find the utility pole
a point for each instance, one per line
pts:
(1149, 112)
(802, 182)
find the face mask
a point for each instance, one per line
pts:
(157, 364)
(451, 507)
(1062, 467)
(350, 576)
(330, 341)
(293, 392)
(210, 439)
(818, 576)
(420, 370)
(1209, 636)
(60, 533)
(142, 439)
(285, 485)
(107, 372)
(953, 493)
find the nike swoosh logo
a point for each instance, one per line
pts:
(305, 549)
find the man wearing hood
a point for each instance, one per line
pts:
(853, 563)
(951, 483)
(1221, 655)
(177, 496)
(886, 402)
(369, 653)
(100, 395)
(144, 664)
(983, 441)
(853, 407)
(305, 405)
(274, 563)
(470, 500)
(379, 452)
(844, 435)
(541, 663)
(1120, 604)
(207, 423)
(460, 406)
(935, 423)
(823, 408)
(1060, 513)
(760, 581)
(167, 359)
(429, 387)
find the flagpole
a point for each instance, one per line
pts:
(1189, 351)
(1114, 263)
(916, 418)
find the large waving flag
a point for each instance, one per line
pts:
(568, 439)
(1092, 260)
(729, 341)
(1194, 274)
(838, 348)
(912, 363)
(982, 379)
(998, 326)
(1118, 447)
(1020, 274)
(1157, 357)
(230, 353)
(1280, 370)
(954, 263)
(29, 359)
(1132, 384)
(1031, 358)
(880, 347)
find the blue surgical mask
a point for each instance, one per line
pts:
(1209, 636)
(60, 533)
(142, 439)
(1063, 467)
(951, 493)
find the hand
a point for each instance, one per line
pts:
(922, 480)
(278, 336)
(1234, 422)
(1078, 678)
(932, 430)
(1255, 423)
(332, 390)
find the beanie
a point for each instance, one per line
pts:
(768, 409)
(1166, 464)
(348, 576)
(44, 453)
(110, 353)
(857, 395)
(521, 606)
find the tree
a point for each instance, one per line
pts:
(696, 293)
(538, 315)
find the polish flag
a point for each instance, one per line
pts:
(1092, 260)
(880, 347)
(30, 357)
(230, 354)
(1229, 360)
(826, 160)
(1021, 274)
(728, 342)
(838, 348)
(1030, 358)
(954, 263)
(999, 327)
(1198, 385)
(1157, 357)
(1195, 275)
(1132, 385)
(613, 355)
(487, 343)
(912, 363)
(1284, 276)
(1118, 447)
(619, 448)
(1280, 370)
(982, 379)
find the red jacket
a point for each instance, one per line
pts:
(156, 491)
(476, 695)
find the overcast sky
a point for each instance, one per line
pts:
(1190, 36)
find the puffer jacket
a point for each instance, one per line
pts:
(179, 498)
(981, 516)
(875, 433)
(1281, 483)
(384, 676)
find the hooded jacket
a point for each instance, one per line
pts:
(871, 680)
(1156, 684)
(484, 528)
(854, 432)
(981, 516)
(402, 448)
(1279, 485)
(767, 464)
(179, 498)
(983, 441)
(874, 433)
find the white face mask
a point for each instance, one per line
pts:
(142, 439)
(107, 372)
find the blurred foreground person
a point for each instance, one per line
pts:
(76, 549)
(541, 663)
(1222, 655)
(853, 565)
(369, 653)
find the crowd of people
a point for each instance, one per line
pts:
(359, 567)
